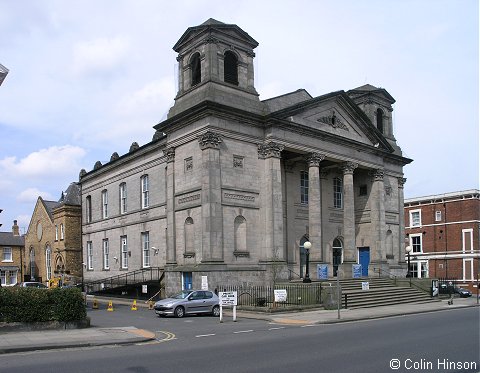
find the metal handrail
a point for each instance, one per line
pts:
(390, 275)
(290, 274)
(123, 279)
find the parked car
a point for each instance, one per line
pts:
(32, 284)
(189, 302)
(464, 293)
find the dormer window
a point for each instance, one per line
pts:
(380, 120)
(231, 68)
(196, 69)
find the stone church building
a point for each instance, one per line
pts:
(231, 187)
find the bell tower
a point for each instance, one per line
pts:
(215, 63)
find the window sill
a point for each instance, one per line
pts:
(189, 255)
(241, 254)
(7, 261)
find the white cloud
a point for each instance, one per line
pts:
(101, 54)
(55, 160)
(32, 194)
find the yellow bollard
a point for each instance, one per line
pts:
(110, 306)
(150, 305)
(134, 305)
(95, 304)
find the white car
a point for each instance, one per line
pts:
(32, 284)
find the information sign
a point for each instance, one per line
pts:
(322, 271)
(228, 298)
(280, 295)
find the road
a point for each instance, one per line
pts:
(424, 342)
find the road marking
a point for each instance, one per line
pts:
(168, 336)
(243, 331)
(306, 326)
(290, 321)
(280, 327)
(204, 335)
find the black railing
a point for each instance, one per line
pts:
(263, 296)
(387, 273)
(129, 278)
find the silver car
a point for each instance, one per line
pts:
(189, 302)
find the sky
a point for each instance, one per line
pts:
(87, 78)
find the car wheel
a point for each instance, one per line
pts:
(216, 311)
(179, 312)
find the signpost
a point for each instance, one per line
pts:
(228, 298)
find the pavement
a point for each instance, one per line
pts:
(21, 341)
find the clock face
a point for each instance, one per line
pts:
(39, 231)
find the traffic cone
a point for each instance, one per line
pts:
(150, 305)
(134, 305)
(95, 304)
(110, 306)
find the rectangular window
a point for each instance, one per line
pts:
(438, 216)
(146, 249)
(88, 209)
(89, 255)
(304, 187)
(123, 198)
(124, 251)
(467, 240)
(56, 232)
(337, 193)
(106, 263)
(7, 254)
(145, 194)
(104, 204)
(12, 277)
(48, 262)
(416, 243)
(415, 218)
(468, 269)
(62, 231)
(3, 277)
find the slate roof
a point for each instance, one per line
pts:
(8, 239)
(72, 195)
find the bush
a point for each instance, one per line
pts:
(34, 305)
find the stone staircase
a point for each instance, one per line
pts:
(381, 292)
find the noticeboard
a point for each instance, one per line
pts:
(280, 295)
(228, 298)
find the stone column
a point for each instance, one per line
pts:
(401, 220)
(315, 207)
(273, 207)
(377, 210)
(212, 219)
(349, 250)
(171, 258)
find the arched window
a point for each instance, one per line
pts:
(380, 120)
(240, 231)
(48, 262)
(231, 68)
(337, 193)
(196, 69)
(32, 264)
(189, 235)
(337, 249)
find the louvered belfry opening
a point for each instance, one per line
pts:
(231, 68)
(196, 70)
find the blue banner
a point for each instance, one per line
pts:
(322, 271)
(356, 270)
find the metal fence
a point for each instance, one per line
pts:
(263, 296)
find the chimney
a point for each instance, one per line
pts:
(15, 229)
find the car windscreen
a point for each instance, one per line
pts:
(181, 295)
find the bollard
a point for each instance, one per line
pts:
(134, 305)
(110, 306)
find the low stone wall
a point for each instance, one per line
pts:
(48, 325)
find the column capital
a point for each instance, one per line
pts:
(377, 174)
(313, 159)
(209, 140)
(401, 182)
(170, 154)
(348, 167)
(269, 149)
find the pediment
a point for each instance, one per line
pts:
(338, 117)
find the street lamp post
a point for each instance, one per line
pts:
(307, 245)
(408, 249)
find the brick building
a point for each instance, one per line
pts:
(11, 256)
(443, 231)
(53, 239)
(231, 187)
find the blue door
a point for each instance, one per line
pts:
(364, 259)
(187, 280)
